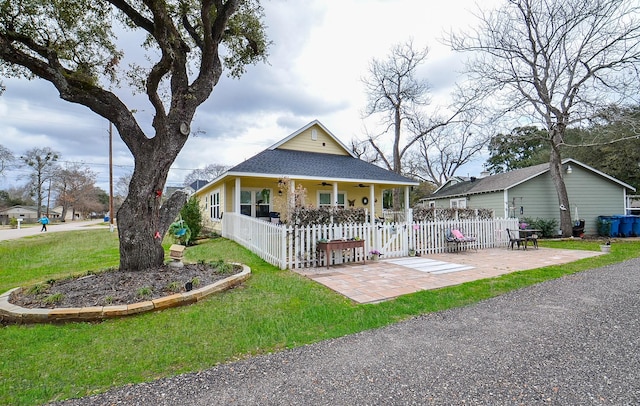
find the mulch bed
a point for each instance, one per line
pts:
(116, 287)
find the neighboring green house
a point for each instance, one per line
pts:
(312, 162)
(529, 192)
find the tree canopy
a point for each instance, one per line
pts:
(522, 147)
(615, 153)
(75, 46)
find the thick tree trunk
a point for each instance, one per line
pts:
(141, 241)
(556, 172)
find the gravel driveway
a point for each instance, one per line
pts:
(566, 342)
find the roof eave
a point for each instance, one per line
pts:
(229, 174)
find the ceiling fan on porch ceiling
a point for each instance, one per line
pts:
(361, 185)
(325, 184)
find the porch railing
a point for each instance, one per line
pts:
(295, 246)
(265, 239)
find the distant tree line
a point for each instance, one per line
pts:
(609, 144)
(48, 184)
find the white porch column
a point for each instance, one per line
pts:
(335, 194)
(236, 202)
(506, 204)
(408, 213)
(372, 204)
(375, 244)
(292, 194)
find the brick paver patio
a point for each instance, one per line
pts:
(385, 279)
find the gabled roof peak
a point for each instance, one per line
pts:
(305, 128)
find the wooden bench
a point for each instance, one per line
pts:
(459, 240)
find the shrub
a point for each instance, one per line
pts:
(423, 213)
(192, 216)
(303, 216)
(548, 227)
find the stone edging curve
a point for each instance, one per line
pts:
(20, 315)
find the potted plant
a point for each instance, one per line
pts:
(606, 247)
(375, 255)
(412, 252)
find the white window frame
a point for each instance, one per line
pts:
(214, 205)
(254, 202)
(460, 203)
(330, 193)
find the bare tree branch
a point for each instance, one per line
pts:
(557, 64)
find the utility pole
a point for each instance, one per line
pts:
(110, 177)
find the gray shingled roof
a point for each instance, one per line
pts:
(492, 183)
(283, 162)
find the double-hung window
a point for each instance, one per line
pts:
(458, 203)
(325, 199)
(214, 205)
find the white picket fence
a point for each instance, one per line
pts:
(295, 247)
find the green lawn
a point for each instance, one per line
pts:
(273, 310)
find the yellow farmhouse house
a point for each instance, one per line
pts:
(311, 164)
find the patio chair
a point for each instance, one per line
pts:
(515, 239)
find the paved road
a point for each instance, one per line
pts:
(572, 341)
(10, 234)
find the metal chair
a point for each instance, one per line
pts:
(515, 239)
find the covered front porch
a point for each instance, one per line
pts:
(267, 198)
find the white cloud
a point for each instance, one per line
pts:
(321, 51)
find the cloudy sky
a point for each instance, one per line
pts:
(321, 50)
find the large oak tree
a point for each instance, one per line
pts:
(555, 64)
(189, 43)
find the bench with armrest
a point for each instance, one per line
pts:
(459, 240)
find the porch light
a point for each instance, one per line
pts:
(569, 169)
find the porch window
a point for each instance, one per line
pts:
(325, 199)
(458, 203)
(214, 206)
(255, 202)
